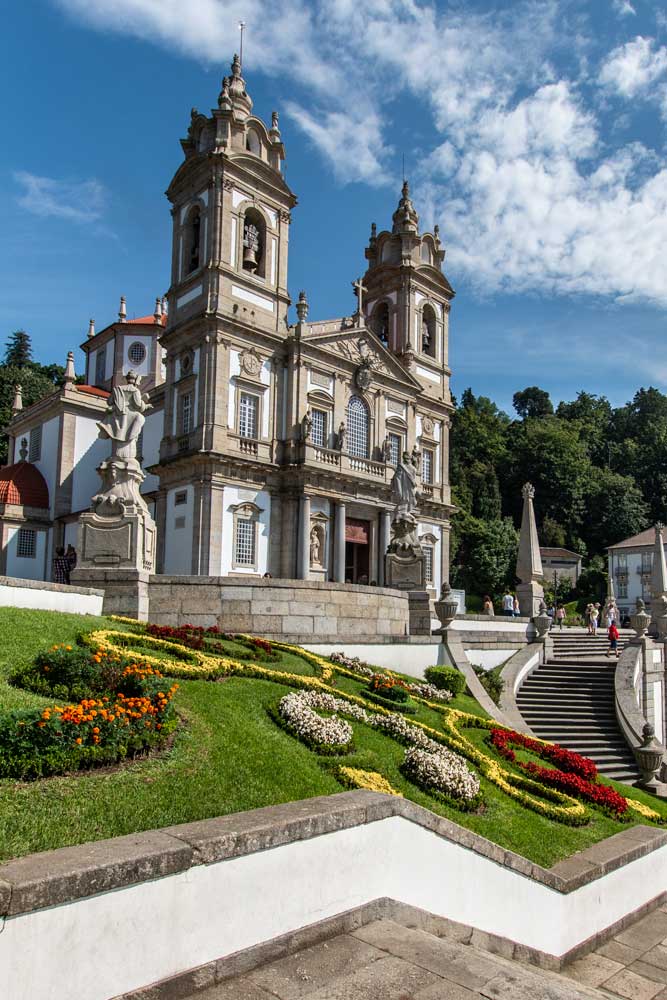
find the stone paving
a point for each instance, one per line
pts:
(387, 961)
(632, 965)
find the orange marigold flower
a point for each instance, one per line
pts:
(78, 740)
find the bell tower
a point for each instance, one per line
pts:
(408, 297)
(231, 214)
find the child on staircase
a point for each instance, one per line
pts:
(612, 634)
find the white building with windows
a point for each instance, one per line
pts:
(270, 446)
(630, 565)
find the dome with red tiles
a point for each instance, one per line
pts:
(24, 485)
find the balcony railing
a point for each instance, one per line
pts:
(249, 446)
(378, 469)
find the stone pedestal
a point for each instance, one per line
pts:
(405, 571)
(531, 596)
(419, 608)
(125, 590)
(112, 538)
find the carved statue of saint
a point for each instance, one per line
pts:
(342, 436)
(386, 449)
(403, 486)
(315, 547)
(307, 424)
(415, 457)
(124, 418)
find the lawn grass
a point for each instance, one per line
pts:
(230, 756)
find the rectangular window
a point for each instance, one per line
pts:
(26, 544)
(248, 410)
(35, 444)
(622, 560)
(647, 562)
(100, 365)
(319, 430)
(428, 563)
(427, 465)
(395, 447)
(179, 522)
(245, 543)
(180, 498)
(185, 404)
(622, 587)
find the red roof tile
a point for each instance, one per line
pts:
(148, 319)
(92, 390)
(24, 485)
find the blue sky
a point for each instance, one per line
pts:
(534, 134)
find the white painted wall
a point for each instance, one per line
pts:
(178, 541)
(48, 463)
(151, 449)
(489, 658)
(233, 496)
(406, 658)
(212, 911)
(89, 451)
(27, 569)
(71, 602)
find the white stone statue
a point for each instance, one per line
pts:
(404, 486)
(124, 418)
(315, 547)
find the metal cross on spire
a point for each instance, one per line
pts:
(241, 29)
(359, 289)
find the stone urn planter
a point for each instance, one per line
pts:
(649, 756)
(542, 622)
(445, 608)
(640, 621)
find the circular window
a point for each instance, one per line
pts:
(186, 364)
(136, 353)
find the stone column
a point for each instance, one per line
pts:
(385, 535)
(373, 560)
(339, 544)
(303, 563)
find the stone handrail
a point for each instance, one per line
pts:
(460, 660)
(630, 717)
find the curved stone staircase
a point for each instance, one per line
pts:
(570, 700)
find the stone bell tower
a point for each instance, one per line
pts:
(408, 296)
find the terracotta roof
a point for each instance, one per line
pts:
(148, 319)
(92, 390)
(24, 485)
(646, 537)
(558, 553)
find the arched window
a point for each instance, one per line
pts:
(254, 243)
(193, 241)
(428, 331)
(357, 428)
(252, 142)
(380, 323)
(426, 253)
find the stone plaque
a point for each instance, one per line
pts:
(405, 572)
(107, 545)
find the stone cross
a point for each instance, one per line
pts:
(359, 289)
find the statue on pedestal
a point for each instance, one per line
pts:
(118, 530)
(405, 560)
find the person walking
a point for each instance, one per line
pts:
(560, 616)
(508, 604)
(517, 607)
(71, 558)
(587, 618)
(487, 607)
(595, 611)
(60, 567)
(613, 636)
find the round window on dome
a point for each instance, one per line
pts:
(136, 353)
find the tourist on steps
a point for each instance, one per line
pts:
(508, 604)
(612, 634)
(487, 607)
(595, 611)
(560, 616)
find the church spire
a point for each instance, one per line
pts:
(405, 217)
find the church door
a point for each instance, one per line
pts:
(357, 550)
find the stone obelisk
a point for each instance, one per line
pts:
(658, 625)
(529, 562)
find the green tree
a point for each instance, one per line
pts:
(485, 554)
(615, 507)
(35, 385)
(477, 453)
(18, 352)
(532, 402)
(592, 416)
(552, 533)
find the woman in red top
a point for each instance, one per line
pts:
(612, 633)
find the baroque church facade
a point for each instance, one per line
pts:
(269, 447)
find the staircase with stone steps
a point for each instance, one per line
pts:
(570, 700)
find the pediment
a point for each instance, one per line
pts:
(360, 346)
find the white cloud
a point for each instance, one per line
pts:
(531, 193)
(632, 69)
(82, 201)
(623, 8)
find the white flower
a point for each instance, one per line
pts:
(297, 709)
(442, 771)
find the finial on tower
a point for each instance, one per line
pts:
(274, 131)
(122, 311)
(70, 374)
(91, 327)
(17, 405)
(164, 305)
(241, 30)
(157, 315)
(236, 66)
(302, 307)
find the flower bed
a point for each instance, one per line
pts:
(134, 714)
(439, 770)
